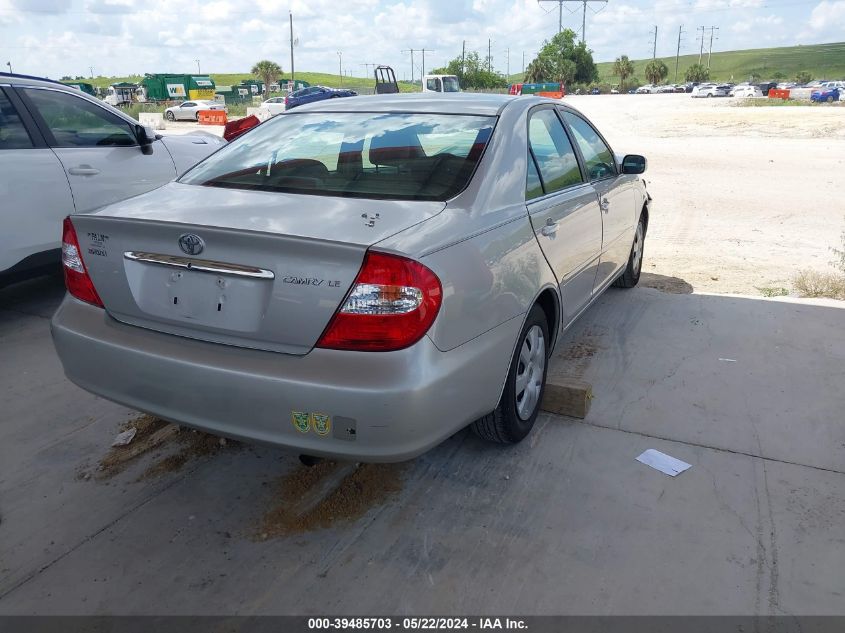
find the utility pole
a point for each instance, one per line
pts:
(463, 59)
(654, 48)
(292, 76)
(523, 64)
(91, 68)
(199, 72)
(678, 52)
(423, 51)
(340, 67)
(701, 50)
(508, 53)
(710, 51)
(411, 50)
(9, 64)
(489, 55)
(583, 17)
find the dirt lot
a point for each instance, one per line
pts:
(744, 196)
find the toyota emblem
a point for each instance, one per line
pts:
(191, 244)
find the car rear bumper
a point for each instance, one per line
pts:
(399, 404)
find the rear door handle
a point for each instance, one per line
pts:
(605, 205)
(83, 170)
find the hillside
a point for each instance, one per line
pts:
(363, 85)
(822, 61)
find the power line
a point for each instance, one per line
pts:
(583, 15)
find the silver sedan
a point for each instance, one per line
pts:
(358, 278)
(189, 110)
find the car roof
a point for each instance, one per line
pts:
(29, 80)
(448, 103)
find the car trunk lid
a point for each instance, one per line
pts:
(249, 269)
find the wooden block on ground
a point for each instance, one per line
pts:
(567, 396)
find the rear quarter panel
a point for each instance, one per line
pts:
(482, 246)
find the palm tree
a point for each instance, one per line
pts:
(538, 71)
(656, 71)
(268, 72)
(623, 68)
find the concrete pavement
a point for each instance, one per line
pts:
(565, 523)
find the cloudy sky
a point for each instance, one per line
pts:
(121, 37)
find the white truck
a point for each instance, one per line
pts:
(440, 83)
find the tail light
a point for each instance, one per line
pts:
(77, 281)
(392, 304)
(286, 101)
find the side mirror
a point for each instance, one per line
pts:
(633, 164)
(146, 137)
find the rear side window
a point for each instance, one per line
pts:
(553, 152)
(395, 156)
(76, 122)
(13, 134)
(597, 155)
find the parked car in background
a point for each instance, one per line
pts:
(315, 93)
(274, 105)
(647, 89)
(190, 110)
(667, 89)
(67, 152)
(746, 92)
(766, 86)
(387, 249)
(595, 91)
(828, 95)
(711, 90)
(680, 88)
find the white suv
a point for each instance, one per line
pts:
(63, 152)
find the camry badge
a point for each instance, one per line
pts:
(191, 244)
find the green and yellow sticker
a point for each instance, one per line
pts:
(300, 421)
(321, 423)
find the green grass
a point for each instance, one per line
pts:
(822, 61)
(363, 85)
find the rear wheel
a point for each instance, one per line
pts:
(830, 98)
(631, 276)
(169, 116)
(519, 405)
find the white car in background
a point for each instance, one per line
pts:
(63, 152)
(190, 110)
(274, 105)
(710, 90)
(746, 92)
(647, 89)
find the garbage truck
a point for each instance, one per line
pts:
(174, 87)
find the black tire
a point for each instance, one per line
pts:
(506, 425)
(631, 276)
(197, 117)
(169, 116)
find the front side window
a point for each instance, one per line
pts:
(76, 122)
(597, 156)
(391, 156)
(553, 152)
(433, 84)
(450, 84)
(13, 134)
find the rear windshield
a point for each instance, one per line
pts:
(361, 154)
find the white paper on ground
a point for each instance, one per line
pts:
(663, 462)
(123, 439)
